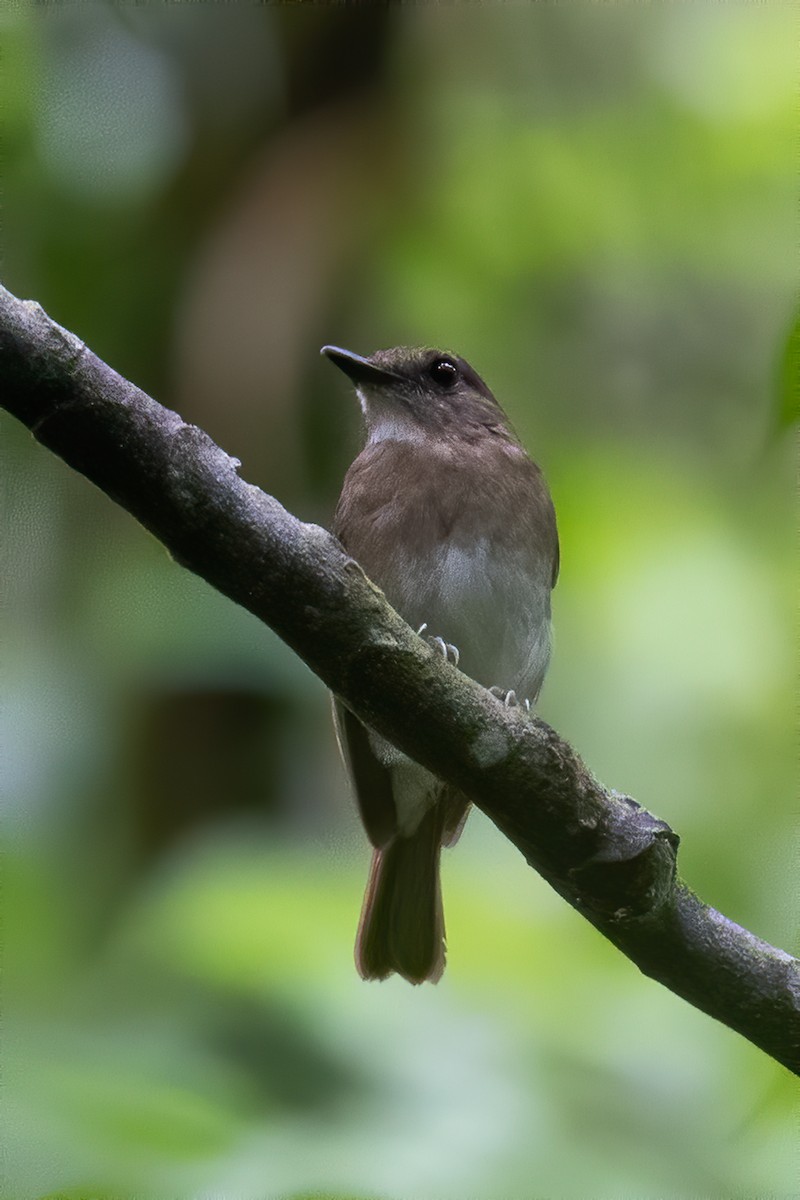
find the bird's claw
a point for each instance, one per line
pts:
(509, 699)
(448, 651)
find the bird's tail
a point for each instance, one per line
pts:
(402, 921)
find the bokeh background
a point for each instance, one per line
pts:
(595, 205)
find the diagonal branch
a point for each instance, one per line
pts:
(608, 857)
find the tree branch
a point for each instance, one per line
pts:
(608, 857)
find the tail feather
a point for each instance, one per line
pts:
(402, 920)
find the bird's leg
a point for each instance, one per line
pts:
(448, 651)
(509, 699)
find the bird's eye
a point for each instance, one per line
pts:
(444, 372)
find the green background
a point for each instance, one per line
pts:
(595, 205)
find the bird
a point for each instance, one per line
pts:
(448, 515)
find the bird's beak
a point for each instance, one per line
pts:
(360, 370)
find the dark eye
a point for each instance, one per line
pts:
(444, 372)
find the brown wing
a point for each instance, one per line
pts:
(371, 781)
(455, 809)
(556, 561)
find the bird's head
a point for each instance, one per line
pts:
(410, 393)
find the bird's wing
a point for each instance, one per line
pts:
(556, 563)
(455, 806)
(371, 781)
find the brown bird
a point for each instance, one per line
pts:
(445, 511)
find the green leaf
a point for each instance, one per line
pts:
(788, 411)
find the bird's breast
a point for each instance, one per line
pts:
(457, 548)
(486, 601)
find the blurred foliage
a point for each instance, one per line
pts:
(789, 380)
(596, 205)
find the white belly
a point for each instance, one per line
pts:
(486, 604)
(499, 618)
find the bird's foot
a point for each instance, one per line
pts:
(509, 699)
(448, 651)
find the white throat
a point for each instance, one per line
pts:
(387, 423)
